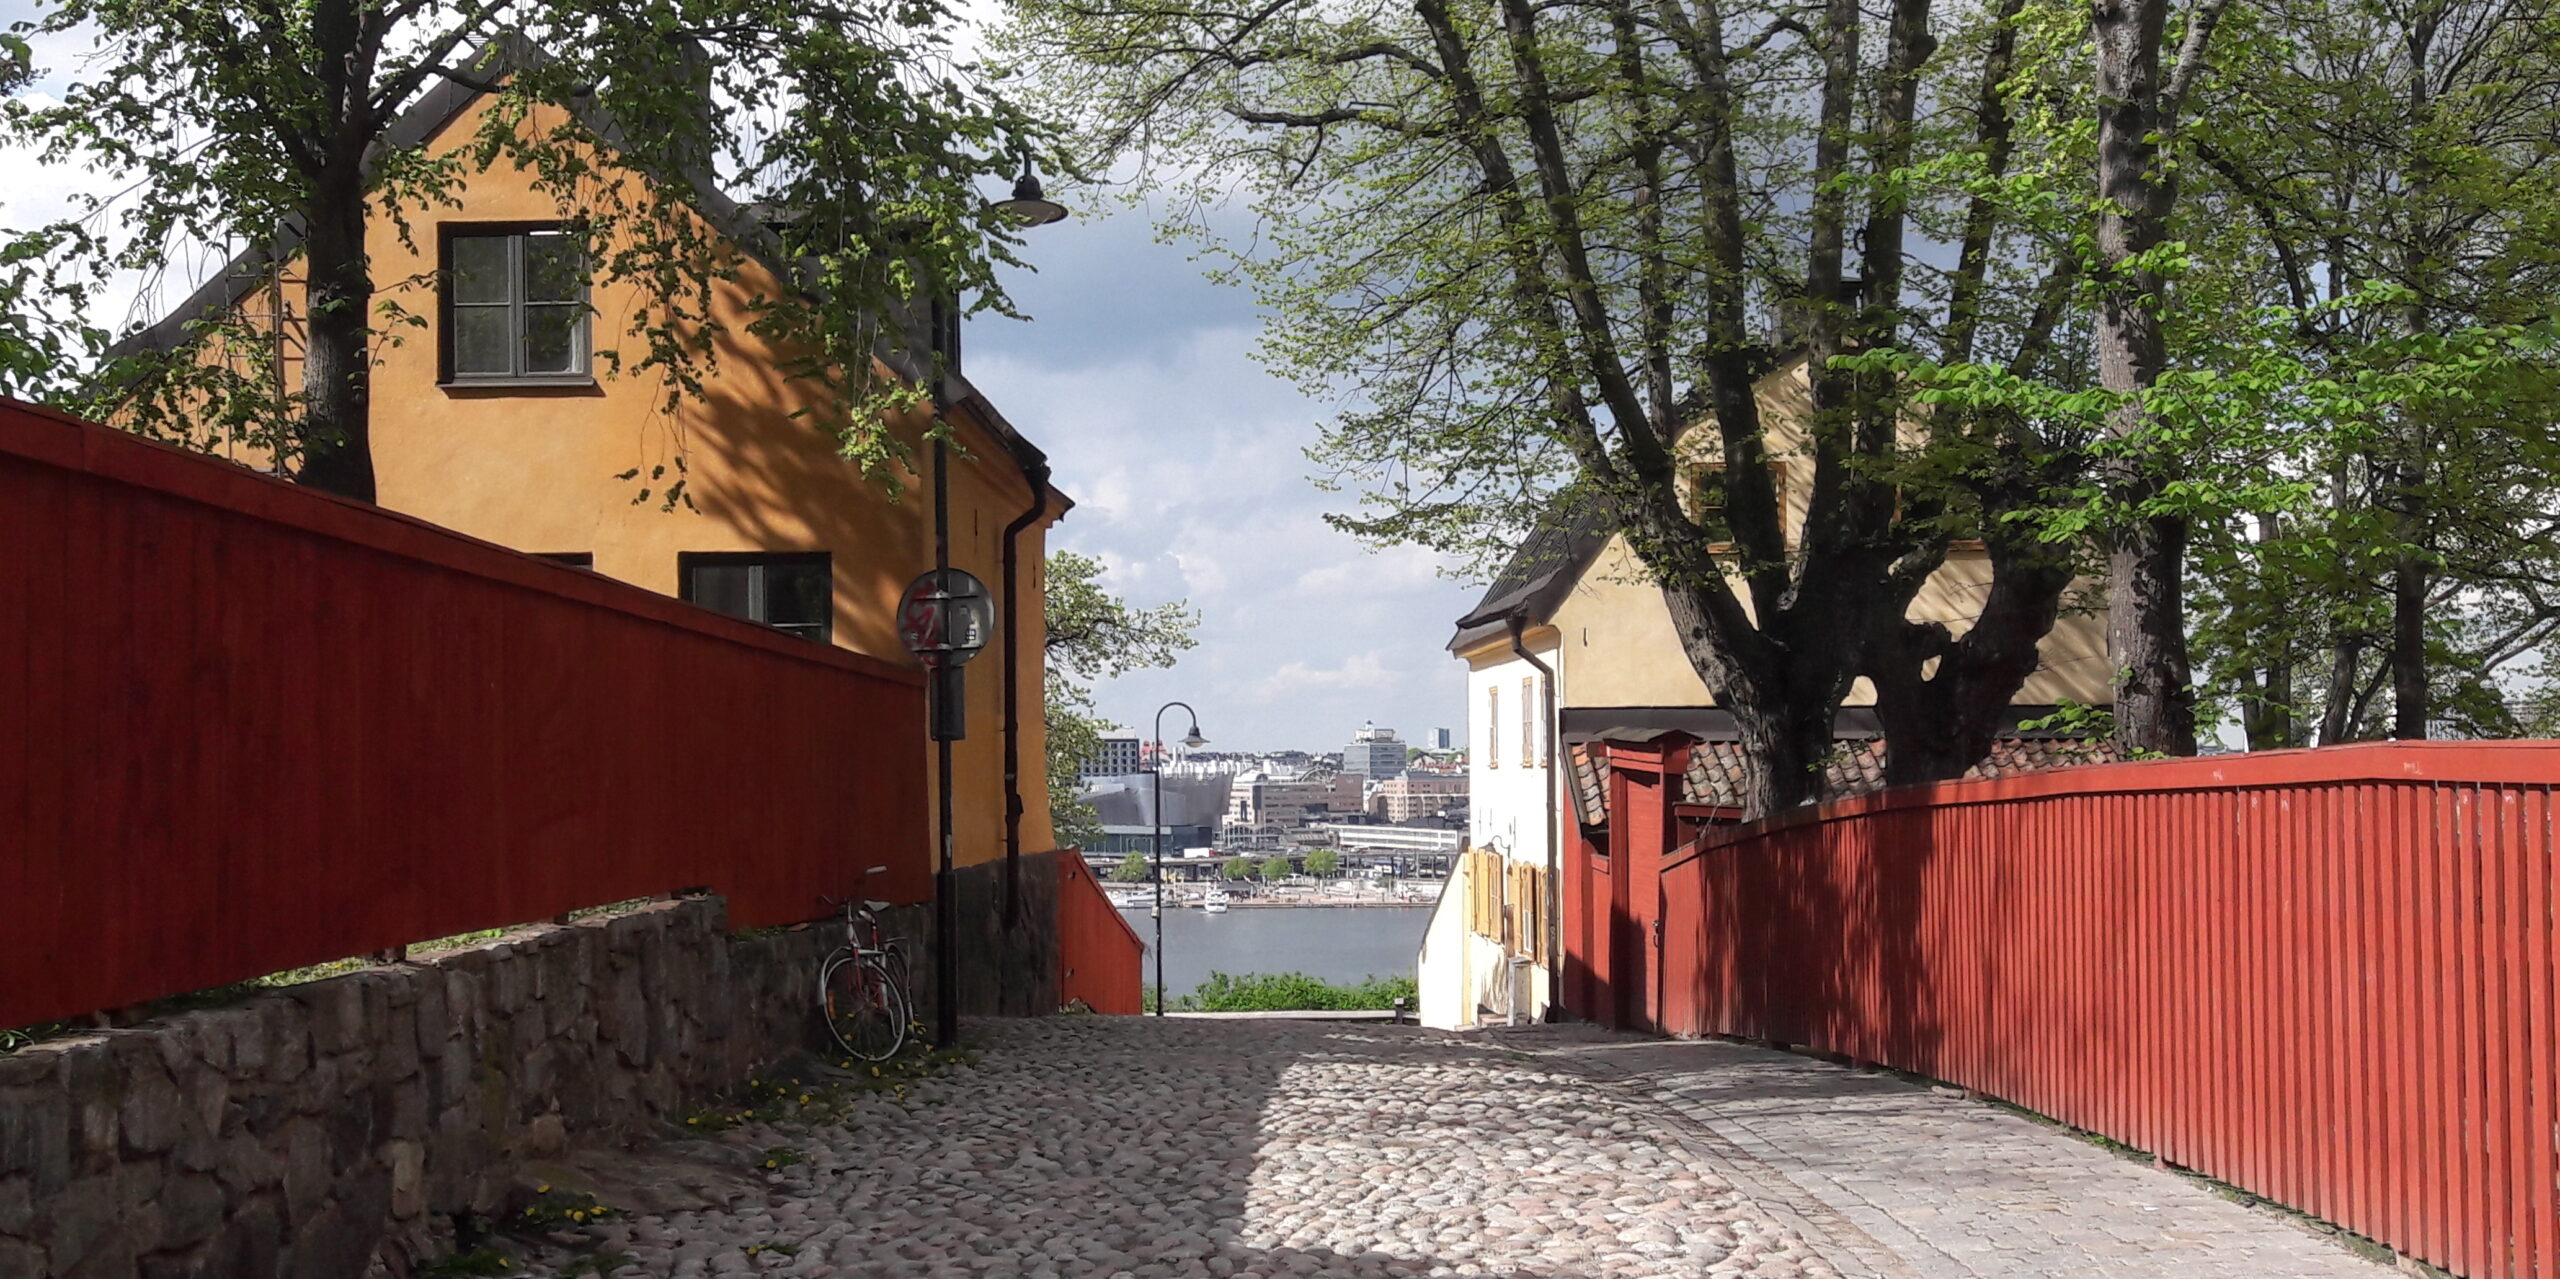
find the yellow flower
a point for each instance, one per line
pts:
(542, 1189)
(694, 1119)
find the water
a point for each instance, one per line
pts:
(1336, 943)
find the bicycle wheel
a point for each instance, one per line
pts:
(864, 1009)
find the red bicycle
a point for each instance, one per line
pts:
(862, 986)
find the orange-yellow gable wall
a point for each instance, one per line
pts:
(535, 470)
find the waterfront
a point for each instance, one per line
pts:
(1336, 943)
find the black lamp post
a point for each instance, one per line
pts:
(943, 607)
(1194, 740)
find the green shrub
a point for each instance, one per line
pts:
(1295, 992)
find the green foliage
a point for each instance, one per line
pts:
(553, 1207)
(1293, 992)
(1093, 635)
(1277, 868)
(1238, 867)
(1533, 245)
(852, 116)
(1323, 862)
(474, 1263)
(1133, 869)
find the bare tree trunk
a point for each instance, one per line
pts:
(2146, 612)
(335, 436)
(2338, 705)
(2409, 580)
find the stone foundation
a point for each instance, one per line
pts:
(324, 1130)
(331, 1129)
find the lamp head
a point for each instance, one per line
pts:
(1029, 207)
(1193, 739)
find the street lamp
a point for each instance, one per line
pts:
(1194, 740)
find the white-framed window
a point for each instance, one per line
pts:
(1493, 726)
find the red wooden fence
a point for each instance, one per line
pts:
(1100, 959)
(245, 727)
(2323, 976)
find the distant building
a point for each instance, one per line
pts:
(1394, 839)
(1415, 795)
(1444, 739)
(1375, 753)
(1118, 757)
(1127, 809)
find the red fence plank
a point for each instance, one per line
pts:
(2323, 976)
(1100, 958)
(252, 727)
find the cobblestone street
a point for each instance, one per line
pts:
(1129, 1146)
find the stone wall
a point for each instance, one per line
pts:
(321, 1130)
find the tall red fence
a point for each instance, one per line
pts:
(2323, 976)
(1100, 958)
(245, 727)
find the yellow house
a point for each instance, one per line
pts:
(1595, 634)
(502, 419)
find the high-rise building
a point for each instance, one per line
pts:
(1444, 739)
(1118, 757)
(1375, 753)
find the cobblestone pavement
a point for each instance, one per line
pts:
(1158, 1148)
(1138, 1148)
(1897, 1180)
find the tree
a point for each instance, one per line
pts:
(2138, 106)
(1237, 868)
(1276, 869)
(1323, 862)
(1133, 869)
(2382, 181)
(1540, 242)
(273, 124)
(1093, 635)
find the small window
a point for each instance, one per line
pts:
(1493, 727)
(515, 306)
(1528, 721)
(792, 593)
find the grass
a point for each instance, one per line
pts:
(1295, 992)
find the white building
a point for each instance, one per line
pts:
(1515, 789)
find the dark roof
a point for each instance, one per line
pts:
(1856, 767)
(1539, 574)
(440, 106)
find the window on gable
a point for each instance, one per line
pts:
(792, 592)
(515, 306)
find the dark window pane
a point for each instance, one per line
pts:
(797, 595)
(554, 268)
(723, 587)
(480, 340)
(480, 268)
(551, 338)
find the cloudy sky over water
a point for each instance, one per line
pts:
(1186, 462)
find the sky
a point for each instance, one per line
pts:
(1187, 466)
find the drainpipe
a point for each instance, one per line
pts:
(1038, 474)
(1555, 871)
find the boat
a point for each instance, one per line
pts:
(1216, 902)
